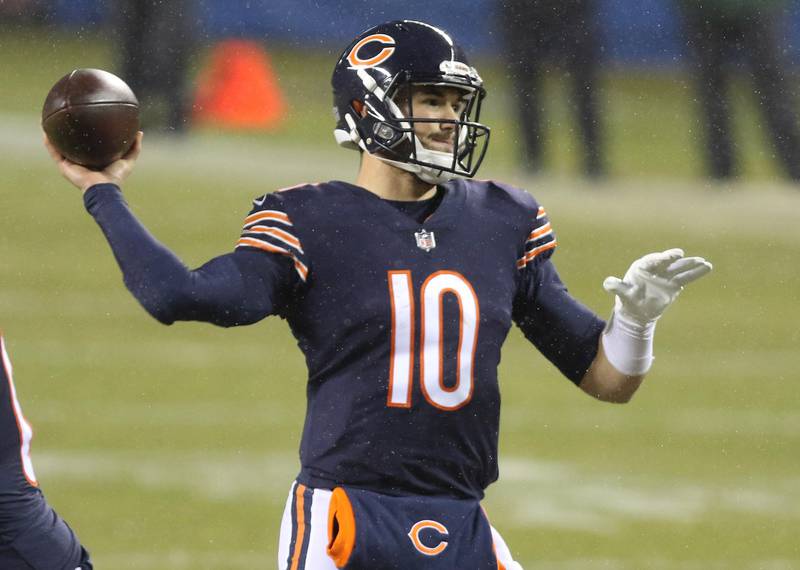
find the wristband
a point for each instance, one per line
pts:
(628, 344)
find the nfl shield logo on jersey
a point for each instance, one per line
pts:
(425, 240)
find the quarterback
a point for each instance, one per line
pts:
(400, 288)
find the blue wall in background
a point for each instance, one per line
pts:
(635, 31)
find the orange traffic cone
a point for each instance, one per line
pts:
(238, 89)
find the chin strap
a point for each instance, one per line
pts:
(429, 174)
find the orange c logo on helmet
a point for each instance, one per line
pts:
(428, 550)
(384, 54)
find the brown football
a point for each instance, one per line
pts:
(91, 116)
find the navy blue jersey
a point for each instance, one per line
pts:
(402, 323)
(32, 535)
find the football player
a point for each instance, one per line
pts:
(400, 288)
(32, 535)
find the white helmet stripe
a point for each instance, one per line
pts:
(375, 111)
(370, 84)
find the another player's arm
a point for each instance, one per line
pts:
(625, 351)
(233, 289)
(32, 534)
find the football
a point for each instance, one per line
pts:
(91, 116)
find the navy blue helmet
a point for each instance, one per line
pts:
(373, 83)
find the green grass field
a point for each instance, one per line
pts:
(173, 447)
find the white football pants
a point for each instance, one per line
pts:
(303, 542)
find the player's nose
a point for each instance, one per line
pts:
(448, 126)
(450, 114)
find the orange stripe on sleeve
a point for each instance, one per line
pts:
(540, 231)
(299, 266)
(285, 237)
(267, 215)
(523, 261)
(263, 245)
(537, 250)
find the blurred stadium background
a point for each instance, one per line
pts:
(173, 448)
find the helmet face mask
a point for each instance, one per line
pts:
(470, 138)
(375, 82)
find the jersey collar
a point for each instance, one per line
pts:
(445, 216)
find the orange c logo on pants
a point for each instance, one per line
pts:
(356, 61)
(428, 550)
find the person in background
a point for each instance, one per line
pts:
(15, 12)
(538, 33)
(156, 40)
(717, 32)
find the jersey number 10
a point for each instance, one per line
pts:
(431, 333)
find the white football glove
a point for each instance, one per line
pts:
(653, 282)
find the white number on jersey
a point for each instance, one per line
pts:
(401, 368)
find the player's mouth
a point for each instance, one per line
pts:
(442, 143)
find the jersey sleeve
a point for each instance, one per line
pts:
(269, 229)
(237, 288)
(565, 331)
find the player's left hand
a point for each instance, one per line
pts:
(653, 282)
(84, 178)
